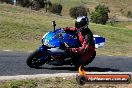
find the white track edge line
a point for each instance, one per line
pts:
(43, 76)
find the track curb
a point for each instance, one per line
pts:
(43, 76)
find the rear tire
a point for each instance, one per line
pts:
(36, 59)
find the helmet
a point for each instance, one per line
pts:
(81, 22)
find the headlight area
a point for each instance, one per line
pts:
(46, 42)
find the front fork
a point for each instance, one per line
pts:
(44, 50)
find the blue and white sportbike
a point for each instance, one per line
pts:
(53, 48)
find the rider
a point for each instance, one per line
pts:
(84, 53)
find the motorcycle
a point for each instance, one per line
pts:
(53, 48)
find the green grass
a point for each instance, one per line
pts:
(21, 29)
(18, 84)
(117, 7)
(67, 4)
(118, 40)
(121, 24)
(57, 82)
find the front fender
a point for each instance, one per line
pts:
(43, 48)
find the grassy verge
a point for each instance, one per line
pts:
(118, 40)
(117, 7)
(67, 4)
(57, 82)
(121, 24)
(21, 30)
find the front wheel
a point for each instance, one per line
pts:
(36, 59)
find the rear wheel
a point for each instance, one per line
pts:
(36, 59)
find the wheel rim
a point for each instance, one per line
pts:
(37, 61)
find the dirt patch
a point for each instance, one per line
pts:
(129, 26)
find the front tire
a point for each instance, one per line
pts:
(36, 59)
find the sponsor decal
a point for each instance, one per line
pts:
(83, 78)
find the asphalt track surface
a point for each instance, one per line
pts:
(14, 63)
